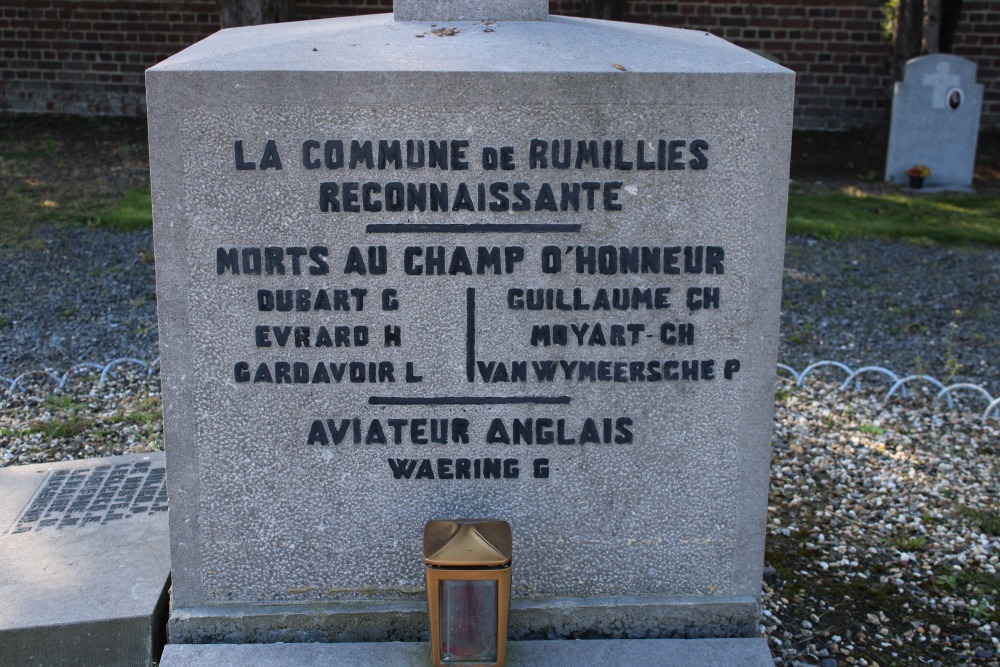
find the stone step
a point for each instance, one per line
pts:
(84, 562)
(580, 653)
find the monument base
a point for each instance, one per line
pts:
(84, 562)
(649, 652)
(569, 618)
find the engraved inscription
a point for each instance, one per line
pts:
(584, 309)
(99, 495)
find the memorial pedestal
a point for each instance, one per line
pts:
(413, 270)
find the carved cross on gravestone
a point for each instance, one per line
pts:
(942, 81)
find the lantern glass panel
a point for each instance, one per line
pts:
(468, 621)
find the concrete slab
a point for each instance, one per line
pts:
(84, 562)
(580, 653)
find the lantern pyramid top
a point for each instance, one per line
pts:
(466, 543)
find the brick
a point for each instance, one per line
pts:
(840, 42)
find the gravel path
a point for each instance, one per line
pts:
(912, 309)
(86, 296)
(884, 528)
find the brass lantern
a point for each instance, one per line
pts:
(467, 563)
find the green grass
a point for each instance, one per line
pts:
(63, 403)
(871, 429)
(69, 427)
(58, 172)
(974, 584)
(147, 412)
(23, 214)
(926, 219)
(67, 423)
(132, 212)
(987, 521)
(909, 543)
(781, 394)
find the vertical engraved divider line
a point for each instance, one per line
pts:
(470, 334)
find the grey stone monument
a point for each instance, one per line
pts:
(935, 121)
(509, 268)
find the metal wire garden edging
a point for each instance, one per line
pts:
(60, 381)
(898, 383)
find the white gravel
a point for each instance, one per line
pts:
(84, 420)
(883, 531)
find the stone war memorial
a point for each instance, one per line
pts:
(467, 261)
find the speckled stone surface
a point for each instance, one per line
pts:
(84, 563)
(665, 499)
(463, 10)
(606, 653)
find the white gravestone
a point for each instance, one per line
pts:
(527, 270)
(935, 121)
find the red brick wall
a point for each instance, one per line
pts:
(87, 56)
(978, 39)
(321, 9)
(836, 49)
